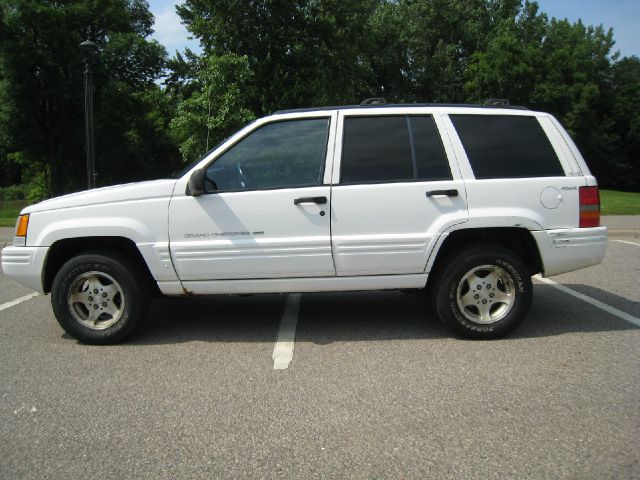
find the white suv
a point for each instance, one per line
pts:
(467, 201)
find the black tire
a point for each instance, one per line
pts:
(120, 313)
(497, 313)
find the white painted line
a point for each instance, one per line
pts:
(283, 350)
(15, 302)
(596, 303)
(628, 243)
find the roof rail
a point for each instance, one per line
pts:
(393, 105)
(373, 101)
(496, 102)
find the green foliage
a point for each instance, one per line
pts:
(13, 192)
(216, 107)
(559, 67)
(626, 123)
(41, 88)
(311, 53)
(34, 182)
(301, 53)
(438, 37)
(37, 186)
(266, 55)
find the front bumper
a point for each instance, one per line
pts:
(569, 249)
(25, 265)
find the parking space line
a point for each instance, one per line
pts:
(627, 242)
(596, 303)
(283, 349)
(15, 302)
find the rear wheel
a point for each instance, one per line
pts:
(100, 297)
(483, 292)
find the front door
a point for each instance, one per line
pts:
(264, 213)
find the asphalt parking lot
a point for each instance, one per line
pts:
(372, 387)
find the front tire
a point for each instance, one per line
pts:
(483, 292)
(100, 297)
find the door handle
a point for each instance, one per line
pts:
(318, 200)
(449, 193)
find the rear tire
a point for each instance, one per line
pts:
(100, 297)
(483, 292)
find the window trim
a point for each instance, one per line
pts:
(236, 141)
(414, 179)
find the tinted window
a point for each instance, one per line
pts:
(392, 148)
(376, 149)
(277, 155)
(431, 161)
(504, 146)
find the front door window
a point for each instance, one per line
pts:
(286, 154)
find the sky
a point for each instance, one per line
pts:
(168, 29)
(622, 15)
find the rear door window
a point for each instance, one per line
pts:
(393, 148)
(507, 146)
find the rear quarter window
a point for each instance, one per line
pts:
(507, 146)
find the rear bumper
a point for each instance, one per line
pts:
(24, 265)
(570, 249)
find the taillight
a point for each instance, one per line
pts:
(589, 207)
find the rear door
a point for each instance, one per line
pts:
(394, 191)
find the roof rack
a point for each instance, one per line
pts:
(496, 102)
(503, 103)
(373, 101)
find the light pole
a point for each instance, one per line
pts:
(88, 49)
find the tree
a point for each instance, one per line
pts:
(555, 66)
(41, 70)
(216, 106)
(435, 40)
(626, 118)
(512, 62)
(265, 55)
(301, 53)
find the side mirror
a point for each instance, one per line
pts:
(195, 187)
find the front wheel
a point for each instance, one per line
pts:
(483, 292)
(99, 297)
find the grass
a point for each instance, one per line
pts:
(619, 203)
(9, 211)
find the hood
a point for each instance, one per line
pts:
(116, 193)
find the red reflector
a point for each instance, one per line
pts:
(589, 207)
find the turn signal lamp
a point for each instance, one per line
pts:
(21, 230)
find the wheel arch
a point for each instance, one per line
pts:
(63, 250)
(517, 240)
